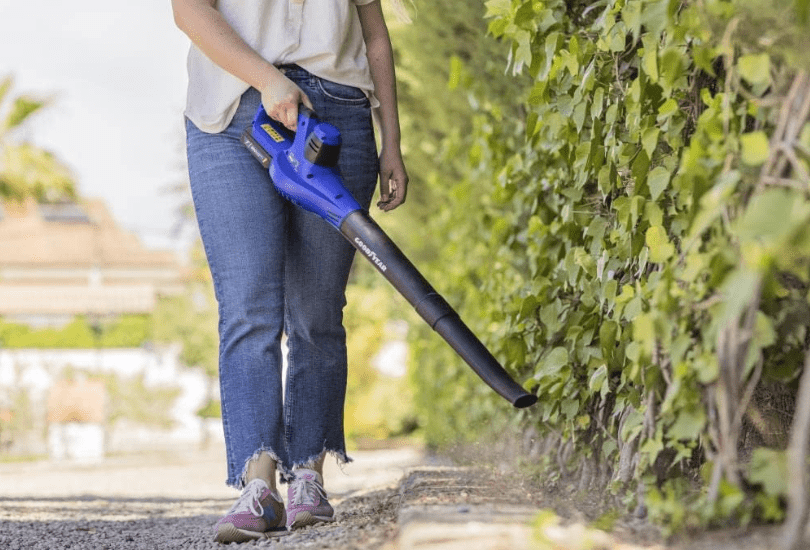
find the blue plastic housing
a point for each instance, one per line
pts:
(318, 189)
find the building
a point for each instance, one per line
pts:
(58, 261)
(62, 260)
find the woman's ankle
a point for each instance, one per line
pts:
(262, 467)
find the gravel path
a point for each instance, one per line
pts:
(162, 501)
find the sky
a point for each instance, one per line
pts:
(114, 73)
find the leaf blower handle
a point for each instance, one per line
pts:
(306, 112)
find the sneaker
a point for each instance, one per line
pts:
(258, 514)
(307, 502)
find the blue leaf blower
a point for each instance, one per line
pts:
(303, 167)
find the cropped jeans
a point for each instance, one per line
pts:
(279, 270)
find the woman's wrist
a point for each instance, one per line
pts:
(267, 77)
(390, 142)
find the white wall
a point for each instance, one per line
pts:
(36, 370)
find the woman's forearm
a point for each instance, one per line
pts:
(381, 65)
(214, 36)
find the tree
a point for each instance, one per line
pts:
(25, 169)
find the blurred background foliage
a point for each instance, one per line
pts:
(27, 170)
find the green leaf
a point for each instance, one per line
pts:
(657, 240)
(552, 363)
(524, 16)
(704, 57)
(713, 203)
(522, 50)
(652, 447)
(21, 109)
(597, 102)
(569, 408)
(551, 45)
(640, 169)
(456, 72)
(688, 425)
(618, 38)
(649, 62)
(672, 67)
(764, 333)
(5, 86)
(667, 108)
(654, 16)
(768, 468)
(755, 148)
(631, 15)
(759, 221)
(738, 293)
(756, 69)
(706, 368)
(649, 140)
(654, 214)
(658, 181)
(607, 338)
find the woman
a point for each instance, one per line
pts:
(278, 269)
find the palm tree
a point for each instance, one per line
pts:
(25, 169)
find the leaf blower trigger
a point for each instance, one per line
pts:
(304, 170)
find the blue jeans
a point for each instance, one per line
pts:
(278, 269)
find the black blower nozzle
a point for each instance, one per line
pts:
(372, 241)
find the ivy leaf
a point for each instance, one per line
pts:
(631, 15)
(688, 424)
(713, 202)
(522, 51)
(551, 45)
(607, 338)
(704, 57)
(456, 72)
(658, 181)
(738, 292)
(768, 468)
(569, 408)
(759, 221)
(764, 333)
(756, 69)
(597, 102)
(552, 363)
(654, 16)
(652, 447)
(672, 67)
(649, 62)
(755, 148)
(660, 248)
(649, 140)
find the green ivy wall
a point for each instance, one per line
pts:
(629, 235)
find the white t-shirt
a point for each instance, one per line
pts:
(322, 36)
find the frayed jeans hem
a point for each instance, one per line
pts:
(340, 456)
(242, 480)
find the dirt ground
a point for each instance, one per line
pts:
(172, 501)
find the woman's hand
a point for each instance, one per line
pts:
(281, 97)
(393, 179)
